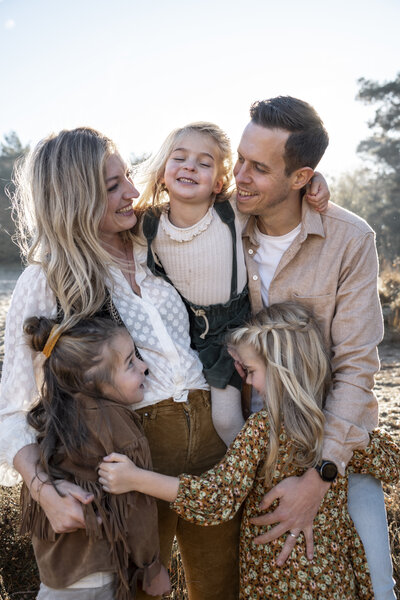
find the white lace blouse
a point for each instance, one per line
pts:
(157, 321)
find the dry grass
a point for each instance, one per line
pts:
(393, 509)
(389, 293)
(18, 573)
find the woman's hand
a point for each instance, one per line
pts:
(117, 474)
(299, 501)
(65, 512)
(317, 193)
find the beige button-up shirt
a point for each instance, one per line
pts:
(332, 268)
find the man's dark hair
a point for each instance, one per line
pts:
(309, 138)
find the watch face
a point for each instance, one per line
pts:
(328, 471)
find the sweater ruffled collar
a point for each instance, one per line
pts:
(185, 234)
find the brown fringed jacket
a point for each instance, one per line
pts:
(127, 541)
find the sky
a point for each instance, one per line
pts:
(137, 69)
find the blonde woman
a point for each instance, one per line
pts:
(73, 203)
(283, 356)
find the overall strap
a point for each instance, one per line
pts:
(227, 216)
(150, 224)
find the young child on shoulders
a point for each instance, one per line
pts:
(193, 236)
(282, 353)
(91, 381)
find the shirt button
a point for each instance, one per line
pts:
(251, 251)
(255, 277)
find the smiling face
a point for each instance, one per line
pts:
(119, 215)
(192, 170)
(128, 371)
(261, 181)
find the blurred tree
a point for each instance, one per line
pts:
(374, 193)
(10, 150)
(366, 194)
(384, 144)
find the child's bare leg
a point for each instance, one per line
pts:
(226, 409)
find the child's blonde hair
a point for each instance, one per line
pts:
(151, 172)
(287, 338)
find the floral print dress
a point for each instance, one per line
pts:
(339, 570)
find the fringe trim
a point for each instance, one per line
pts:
(33, 518)
(114, 511)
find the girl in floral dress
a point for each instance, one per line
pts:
(282, 354)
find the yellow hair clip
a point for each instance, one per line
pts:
(51, 341)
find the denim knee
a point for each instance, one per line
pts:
(366, 505)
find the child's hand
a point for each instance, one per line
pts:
(159, 585)
(317, 193)
(117, 473)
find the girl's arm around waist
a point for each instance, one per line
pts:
(207, 499)
(118, 474)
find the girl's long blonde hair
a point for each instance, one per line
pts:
(288, 339)
(58, 204)
(151, 171)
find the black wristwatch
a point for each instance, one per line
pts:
(327, 470)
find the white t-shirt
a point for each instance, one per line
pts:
(269, 254)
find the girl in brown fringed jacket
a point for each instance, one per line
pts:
(91, 379)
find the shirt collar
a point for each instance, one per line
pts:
(311, 224)
(311, 221)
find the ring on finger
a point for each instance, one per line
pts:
(293, 535)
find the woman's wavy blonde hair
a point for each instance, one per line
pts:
(151, 171)
(288, 339)
(59, 202)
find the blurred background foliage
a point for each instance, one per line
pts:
(372, 192)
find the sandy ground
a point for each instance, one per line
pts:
(387, 387)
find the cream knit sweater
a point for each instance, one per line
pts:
(198, 259)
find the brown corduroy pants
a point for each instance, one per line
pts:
(182, 439)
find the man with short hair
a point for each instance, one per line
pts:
(327, 262)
